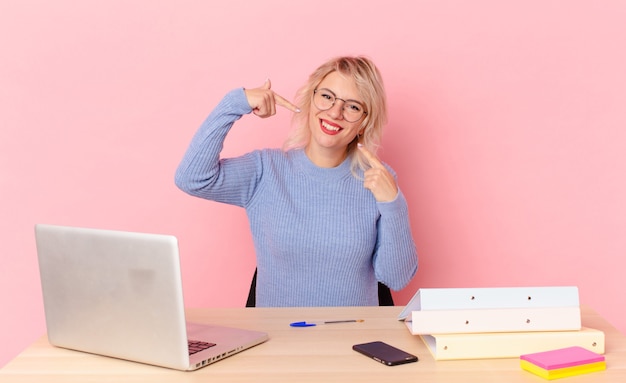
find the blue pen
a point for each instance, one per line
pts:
(310, 324)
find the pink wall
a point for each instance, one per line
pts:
(507, 131)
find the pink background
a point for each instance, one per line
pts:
(507, 131)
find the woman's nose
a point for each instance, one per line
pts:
(336, 111)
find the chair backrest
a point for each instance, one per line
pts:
(384, 294)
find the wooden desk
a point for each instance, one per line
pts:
(315, 354)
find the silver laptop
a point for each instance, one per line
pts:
(120, 294)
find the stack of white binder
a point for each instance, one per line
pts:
(499, 322)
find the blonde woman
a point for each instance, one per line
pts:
(327, 217)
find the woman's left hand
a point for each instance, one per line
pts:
(378, 179)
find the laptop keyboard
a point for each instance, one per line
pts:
(197, 346)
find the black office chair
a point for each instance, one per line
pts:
(384, 294)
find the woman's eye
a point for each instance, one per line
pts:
(354, 107)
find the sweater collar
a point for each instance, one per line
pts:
(310, 169)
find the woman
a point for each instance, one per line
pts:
(327, 218)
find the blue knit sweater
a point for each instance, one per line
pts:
(321, 239)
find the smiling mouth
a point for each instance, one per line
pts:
(329, 128)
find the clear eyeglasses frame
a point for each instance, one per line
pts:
(324, 99)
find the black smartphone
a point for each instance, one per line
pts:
(384, 353)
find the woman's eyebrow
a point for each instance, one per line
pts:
(347, 99)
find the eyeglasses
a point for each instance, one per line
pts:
(352, 111)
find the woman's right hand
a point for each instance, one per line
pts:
(263, 101)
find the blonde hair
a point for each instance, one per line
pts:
(370, 85)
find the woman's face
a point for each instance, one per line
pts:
(330, 131)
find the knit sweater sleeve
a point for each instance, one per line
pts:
(203, 174)
(395, 257)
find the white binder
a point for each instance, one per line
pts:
(491, 298)
(494, 320)
(493, 309)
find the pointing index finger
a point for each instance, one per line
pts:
(280, 100)
(371, 158)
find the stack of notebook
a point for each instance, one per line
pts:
(503, 322)
(563, 362)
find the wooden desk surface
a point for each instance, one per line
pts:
(314, 354)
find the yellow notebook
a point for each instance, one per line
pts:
(563, 372)
(563, 362)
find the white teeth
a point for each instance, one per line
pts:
(330, 127)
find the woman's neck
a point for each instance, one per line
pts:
(325, 158)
